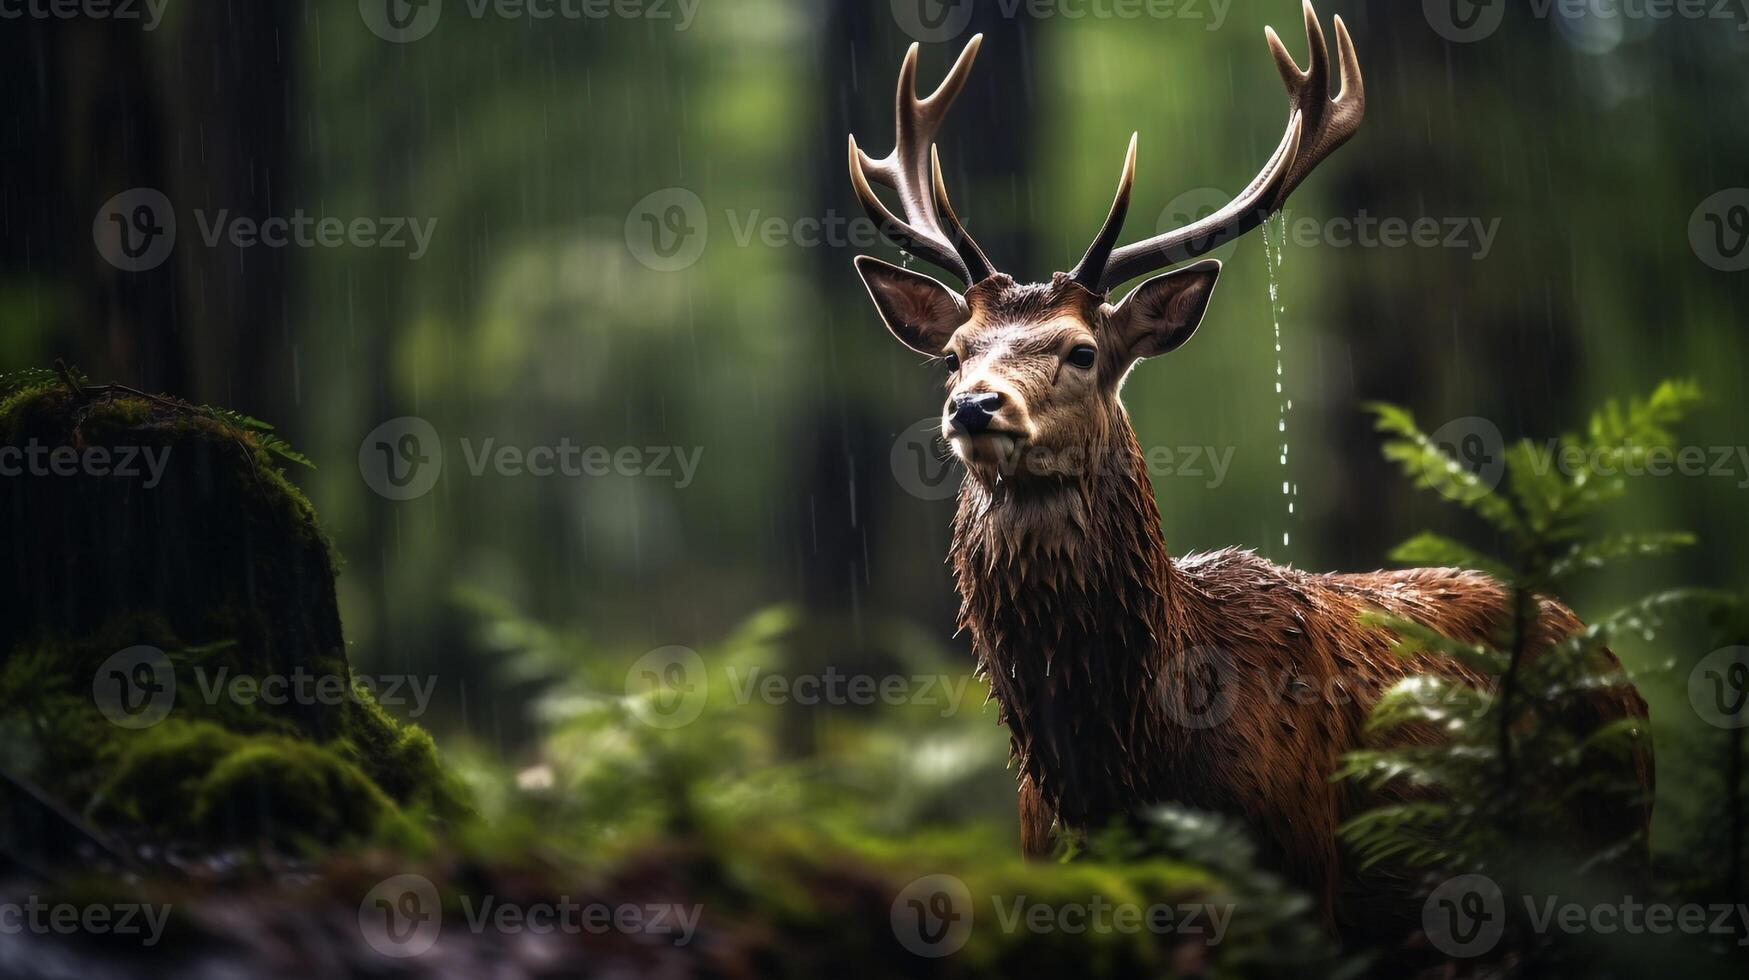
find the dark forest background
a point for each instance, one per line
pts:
(1587, 145)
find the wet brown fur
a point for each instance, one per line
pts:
(1088, 631)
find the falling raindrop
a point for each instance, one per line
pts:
(1274, 252)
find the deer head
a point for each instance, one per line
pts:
(1035, 369)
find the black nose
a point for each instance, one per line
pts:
(973, 411)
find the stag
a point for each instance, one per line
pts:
(1099, 647)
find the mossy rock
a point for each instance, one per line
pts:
(190, 524)
(206, 558)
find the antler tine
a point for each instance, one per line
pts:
(1329, 122)
(1317, 125)
(1091, 269)
(928, 229)
(1239, 217)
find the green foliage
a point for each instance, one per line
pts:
(220, 770)
(1499, 772)
(262, 433)
(889, 795)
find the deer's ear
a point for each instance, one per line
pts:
(919, 311)
(1161, 314)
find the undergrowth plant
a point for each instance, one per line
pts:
(1519, 764)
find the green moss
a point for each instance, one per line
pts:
(156, 773)
(282, 788)
(221, 770)
(223, 567)
(197, 780)
(402, 759)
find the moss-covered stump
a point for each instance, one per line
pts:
(171, 656)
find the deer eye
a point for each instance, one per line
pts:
(1082, 356)
(953, 361)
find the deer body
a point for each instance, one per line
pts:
(1221, 681)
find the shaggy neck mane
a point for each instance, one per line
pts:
(1073, 605)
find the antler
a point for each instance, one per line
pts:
(930, 229)
(1316, 126)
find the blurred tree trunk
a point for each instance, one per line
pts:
(1457, 337)
(201, 110)
(844, 436)
(114, 141)
(233, 74)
